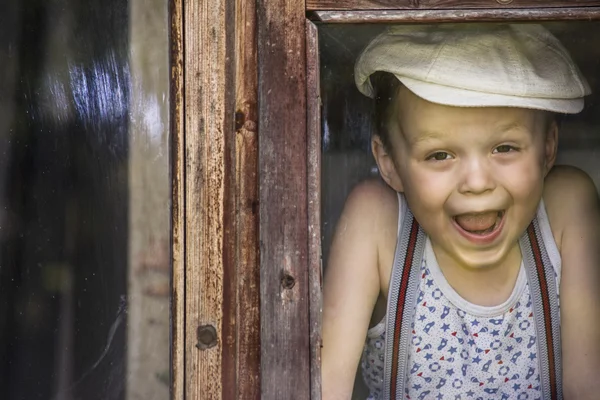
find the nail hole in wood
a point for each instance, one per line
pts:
(288, 282)
(240, 119)
(207, 337)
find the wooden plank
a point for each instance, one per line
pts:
(285, 342)
(356, 5)
(409, 16)
(313, 96)
(229, 376)
(221, 186)
(208, 122)
(177, 374)
(246, 183)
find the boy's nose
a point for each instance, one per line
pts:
(476, 177)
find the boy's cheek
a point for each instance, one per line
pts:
(430, 183)
(427, 194)
(522, 180)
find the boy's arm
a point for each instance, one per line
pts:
(572, 204)
(352, 286)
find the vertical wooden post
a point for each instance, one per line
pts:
(208, 72)
(224, 177)
(246, 203)
(285, 339)
(313, 106)
(216, 340)
(177, 202)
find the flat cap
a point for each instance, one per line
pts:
(477, 65)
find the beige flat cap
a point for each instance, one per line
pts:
(477, 65)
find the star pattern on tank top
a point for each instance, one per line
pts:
(458, 356)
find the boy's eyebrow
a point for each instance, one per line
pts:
(425, 136)
(510, 127)
(432, 135)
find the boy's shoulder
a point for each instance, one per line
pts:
(572, 205)
(371, 211)
(372, 198)
(568, 192)
(373, 206)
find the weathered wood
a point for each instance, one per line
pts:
(177, 203)
(348, 5)
(408, 16)
(229, 375)
(285, 353)
(313, 105)
(246, 183)
(208, 122)
(216, 180)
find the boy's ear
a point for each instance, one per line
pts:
(385, 163)
(551, 146)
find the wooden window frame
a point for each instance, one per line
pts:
(245, 125)
(366, 5)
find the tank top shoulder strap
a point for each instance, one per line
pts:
(401, 211)
(549, 243)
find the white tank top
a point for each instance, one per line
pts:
(461, 350)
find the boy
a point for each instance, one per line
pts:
(466, 143)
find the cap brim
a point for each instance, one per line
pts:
(451, 96)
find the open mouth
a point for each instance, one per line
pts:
(480, 224)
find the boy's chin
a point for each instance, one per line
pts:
(479, 259)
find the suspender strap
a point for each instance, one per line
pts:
(402, 300)
(542, 284)
(402, 296)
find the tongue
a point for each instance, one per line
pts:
(477, 222)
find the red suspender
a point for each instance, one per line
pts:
(402, 298)
(401, 303)
(542, 283)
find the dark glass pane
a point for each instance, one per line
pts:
(84, 200)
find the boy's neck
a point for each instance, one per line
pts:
(489, 286)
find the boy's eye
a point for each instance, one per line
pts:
(439, 156)
(505, 148)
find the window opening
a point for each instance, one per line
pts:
(347, 123)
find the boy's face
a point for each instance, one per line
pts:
(473, 177)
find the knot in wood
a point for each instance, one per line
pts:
(414, 3)
(207, 337)
(288, 282)
(250, 126)
(504, 2)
